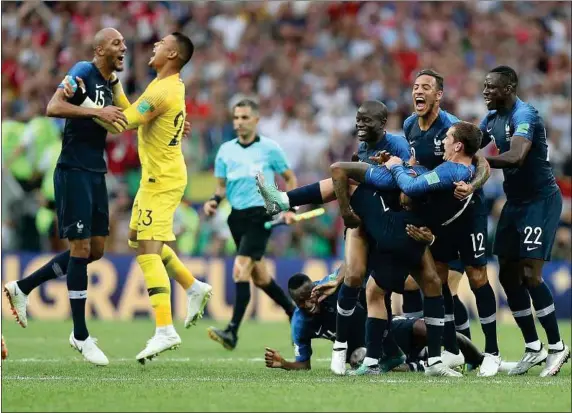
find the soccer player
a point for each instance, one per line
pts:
(425, 130)
(159, 115)
(371, 119)
(314, 319)
(80, 189)
(529, 219)
(236, 165)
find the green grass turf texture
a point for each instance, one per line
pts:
(43, 373)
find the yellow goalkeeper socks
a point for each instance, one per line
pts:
(175, 268)
(158, 287)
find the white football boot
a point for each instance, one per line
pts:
(490, 366)
(197, 299)
(157, 344)
(89, 350)
(530, 359)
(442, 370)
(338, 363)
(452, 360)
(555, 361)
(18, 302)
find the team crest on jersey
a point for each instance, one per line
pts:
(507, 131)
(438, 145)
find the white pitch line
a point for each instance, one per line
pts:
(159, 359)
(298, 379)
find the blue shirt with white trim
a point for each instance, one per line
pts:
(83, 142)
(239, 164)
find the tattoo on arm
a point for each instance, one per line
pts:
(483, 172)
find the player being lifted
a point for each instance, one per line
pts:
(80, 189)
(159, 115)
(529, 220)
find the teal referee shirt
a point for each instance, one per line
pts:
(239, 164)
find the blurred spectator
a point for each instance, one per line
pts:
(309, 64)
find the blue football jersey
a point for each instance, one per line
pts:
(83, 143)
(534, 179)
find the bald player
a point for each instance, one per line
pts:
(80, 189)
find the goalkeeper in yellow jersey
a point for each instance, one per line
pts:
(159, 115)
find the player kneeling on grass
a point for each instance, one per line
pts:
(315, 317)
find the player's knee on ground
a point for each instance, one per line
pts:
(97, 248)
(242, 271)
(80, 248)
(453, 281)
(477, 276)
(532, 272)
(410, 284)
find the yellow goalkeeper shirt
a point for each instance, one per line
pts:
(159, 115)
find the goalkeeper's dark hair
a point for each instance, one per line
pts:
(509, 75)
(298, 280)
(247, 103)
(185, 46)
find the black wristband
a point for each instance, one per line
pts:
(216, 198)
(116, 81)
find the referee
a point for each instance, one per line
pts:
(236, 165)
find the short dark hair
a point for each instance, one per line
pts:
(247, 103)
(509, 75)
(435, 75)
(469, 135)
(186, 47)
(298, 280)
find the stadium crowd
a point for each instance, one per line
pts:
(309, 64)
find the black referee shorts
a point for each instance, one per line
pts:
(248, 232)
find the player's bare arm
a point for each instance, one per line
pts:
(274, 360)
(482, 174)
(514, 157)
(323, 291)
(211, 205)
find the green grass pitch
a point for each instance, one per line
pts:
(43, 373)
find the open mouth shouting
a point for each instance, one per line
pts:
(420, 104)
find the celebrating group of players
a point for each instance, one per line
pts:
(413, 207)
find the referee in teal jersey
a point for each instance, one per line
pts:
(236, 165)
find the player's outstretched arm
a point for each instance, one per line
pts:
(274, 360)
(119, 97)
(438, 179)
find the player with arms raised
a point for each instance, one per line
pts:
(529, 220)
